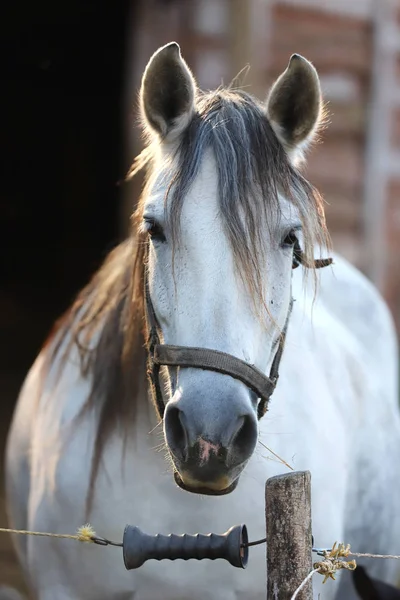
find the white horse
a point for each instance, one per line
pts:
(214, 240)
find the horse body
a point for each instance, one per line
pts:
(313, 422)
(334, 410)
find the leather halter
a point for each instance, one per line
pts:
(213, 360)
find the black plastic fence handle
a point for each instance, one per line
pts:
(138, 547)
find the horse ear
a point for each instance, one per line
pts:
(167, 93)
(294, 104)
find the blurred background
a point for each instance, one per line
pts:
(70, 73)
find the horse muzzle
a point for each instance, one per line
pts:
(209, 456)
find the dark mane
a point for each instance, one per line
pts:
(106, 322)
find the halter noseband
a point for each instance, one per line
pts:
(213, 360)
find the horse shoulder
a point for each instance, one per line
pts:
(49, 400)
(373, 367)
(18, 455)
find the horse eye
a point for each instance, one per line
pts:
(155, 231)
(290, 239)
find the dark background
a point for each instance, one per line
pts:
(61, 139)
(62, 67)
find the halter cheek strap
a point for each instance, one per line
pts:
(153, 342)
(212, 360)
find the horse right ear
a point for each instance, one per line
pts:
(167, 95)
(294, 105)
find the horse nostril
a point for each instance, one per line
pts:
(245, 438)
(175, 431)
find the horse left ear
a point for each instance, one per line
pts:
(294, 104)
(167, 95)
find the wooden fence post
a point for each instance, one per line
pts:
(289, 538)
